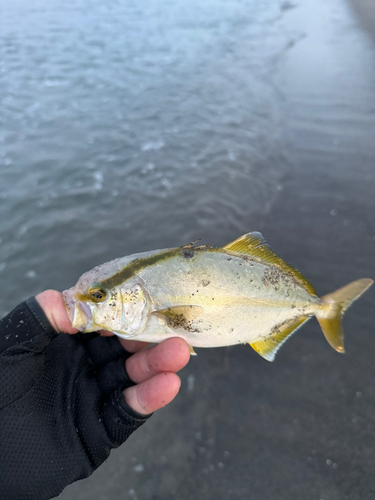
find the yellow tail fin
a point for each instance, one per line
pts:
(336, 304)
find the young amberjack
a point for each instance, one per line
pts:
(211, 297)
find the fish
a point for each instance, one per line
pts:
(241, 293)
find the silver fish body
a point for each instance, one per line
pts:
(210, 297)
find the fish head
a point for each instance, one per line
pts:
(122, 309)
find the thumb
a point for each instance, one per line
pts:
(53, 307)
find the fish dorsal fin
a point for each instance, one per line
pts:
(255, 245)
(179, 316)
(269, 346)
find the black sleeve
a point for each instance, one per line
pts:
(61, 406)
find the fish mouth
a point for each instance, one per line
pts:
(78, 312)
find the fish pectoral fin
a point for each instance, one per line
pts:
(192, 352)
(179, 316)
(269, 346)
(255, 245)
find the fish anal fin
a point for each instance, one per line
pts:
(179, 316)
(269, 346)
(255, 245)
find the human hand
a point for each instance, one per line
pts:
(153, 370)
(71, 386)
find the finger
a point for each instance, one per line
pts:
(105, 333)
(169, 356)
(154, 393)
(52, 303)
(128, 345)
(133, 345)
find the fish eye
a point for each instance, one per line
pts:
(97, 293)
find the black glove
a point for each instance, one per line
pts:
(61, 406)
